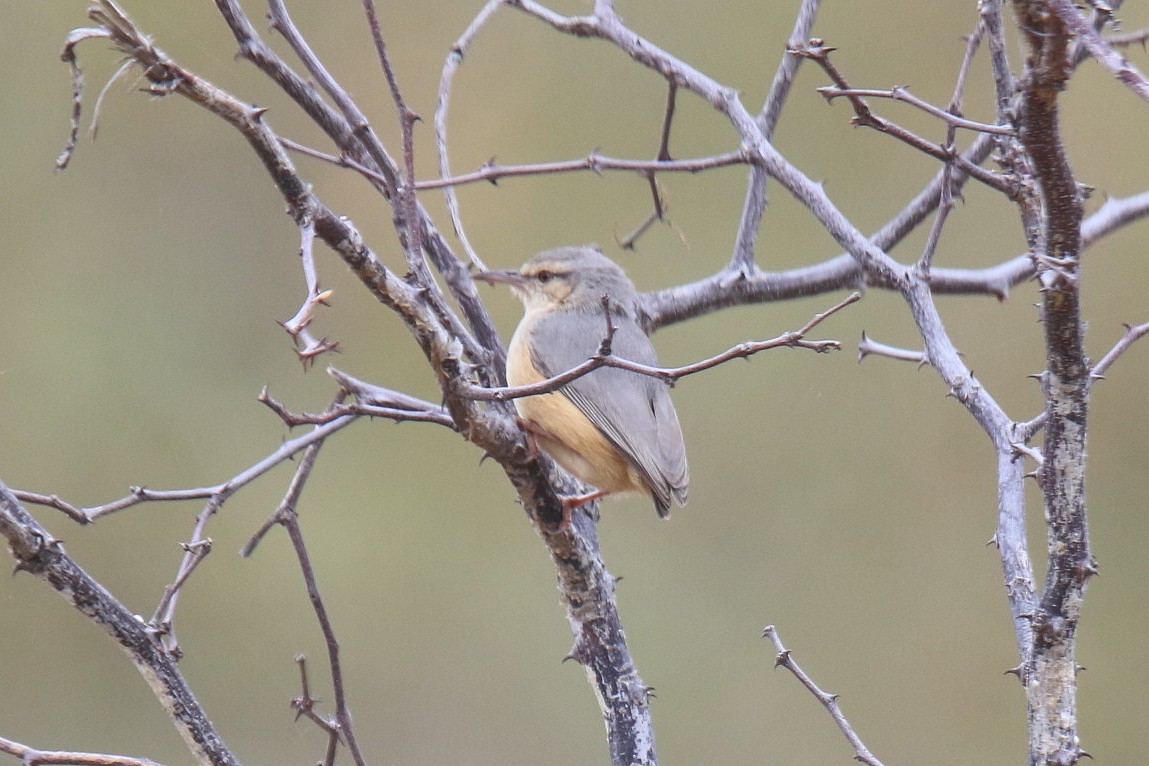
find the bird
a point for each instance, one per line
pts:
(614, 429)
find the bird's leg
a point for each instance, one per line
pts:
(533, 430)
(570, 502)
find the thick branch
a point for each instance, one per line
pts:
(1051, 674)
(37, 552)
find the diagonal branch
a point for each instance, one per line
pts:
(37, 552)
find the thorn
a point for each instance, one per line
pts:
(782, 658)
(1014, 671)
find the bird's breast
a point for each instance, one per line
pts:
(562, 430)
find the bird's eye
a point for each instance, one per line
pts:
(544, 276)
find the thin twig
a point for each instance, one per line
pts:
(864, 116)
(901, 93)
(139, 495)
(407, 119)
(304, 706)
(1119, 66)
(442, 107)
(594, 162)
(307, 346)
(792, 339)
(31, 756)
(868, 346)
(827, 700)
(1132, 334)
(290, 521)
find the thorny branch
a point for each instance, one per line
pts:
(463, 350)
(785, 659)
(793, 339)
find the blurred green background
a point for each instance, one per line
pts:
(847, 504)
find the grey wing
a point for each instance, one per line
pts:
(634, 411)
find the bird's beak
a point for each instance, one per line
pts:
(501, 276)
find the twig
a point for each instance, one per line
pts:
(68, 56)
(31, 756)
(594, 162)
(1127, 39)
(742, 257)
(139, 495)
(864, 116)
(442, 106)
(289, 517)
(194, 552)
(1119, 66)
(827, 700)
(304, 706)
(901, 93)
(408, 205)
(663, 155)
(868, 346)
(1132, 334)
(792, 339)
(307, 346)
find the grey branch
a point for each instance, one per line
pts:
(829, 701)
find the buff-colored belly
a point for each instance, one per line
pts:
(562, 431)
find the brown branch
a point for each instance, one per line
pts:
(1049, 674)
(304, 706)
(287, 516)
(829, 701)
(865, 117)
(791, 339)
(901, 93)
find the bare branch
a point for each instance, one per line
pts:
(38, 553)
(1133, 333)
(865, 117)
(868, 346)
(442, 106)
(1119, 66)
(144, 495)
(34, 757)
(901, 93)
(594, 162)
(827, 700)
(304, 706)
(792, 339)
(307, 346)
(287, 515)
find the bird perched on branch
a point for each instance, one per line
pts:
(614, 429)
